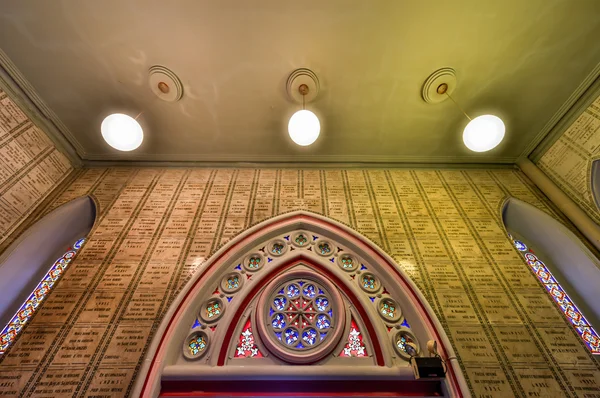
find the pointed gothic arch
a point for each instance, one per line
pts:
(35, 261)
(566, 268)
(595, 182)
(293, 291)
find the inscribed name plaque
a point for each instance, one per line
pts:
(432, 249)
(57, 307)
(157, 275)
(32, 346)
(80, 344)
(564, 344)
(585, 382)
(489, 382)
(540, 308)
(101, 307)
(456, 307)
(498, 309)
(539, 383)
(473, 344)
(127, 343)
(481, 276)
(520, 277)
(444, 276)
(59, 382)
(12, 382)
(94, 250)
(144, 305)
(518, 344)
(118, 275)
(110, 382)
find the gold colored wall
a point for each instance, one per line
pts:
(156, 226)
(30, 166)
(568, 161)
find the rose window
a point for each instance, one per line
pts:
(300, 318)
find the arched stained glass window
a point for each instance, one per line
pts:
(596, 182)
(558, 294)
(28, 308)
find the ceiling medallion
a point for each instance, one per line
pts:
(482, 133)
(165, 83)
(439, 78)
(304, 126)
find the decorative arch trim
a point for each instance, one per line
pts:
(163, 360)
(230, 336)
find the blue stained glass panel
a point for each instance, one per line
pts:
(23, 315)
(569, 309)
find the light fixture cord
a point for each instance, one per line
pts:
(458, 106)
(139, 114)
(303, 95)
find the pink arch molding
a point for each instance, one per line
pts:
(159, 353)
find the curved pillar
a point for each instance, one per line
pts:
(582, 221)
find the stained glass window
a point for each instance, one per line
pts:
(246, 347)
(355, 347)
(277, 248)
(213, 309)
(324, 248)
(301, 314)
(569, 309)
(402, 340)
(301, 240)
(347, 262)
(18, 321)
(254, 262)
(197, 345)
(233, 282)
(388, 309)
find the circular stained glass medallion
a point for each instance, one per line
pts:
(369, 282)
(277, 247)
(300, 317)
(254, 262)
(301, 239)
(402, 340)
(348, 263)
(212, 310)
(195, 345)
(324, 248)
(389, 310)
(232, 282)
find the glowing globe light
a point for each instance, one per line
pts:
(304, 127)
(483, 133)
(122, 132)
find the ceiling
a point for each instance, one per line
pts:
(520, 60)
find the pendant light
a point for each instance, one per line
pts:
(122, 132)
(304, 126)
(482, 133)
